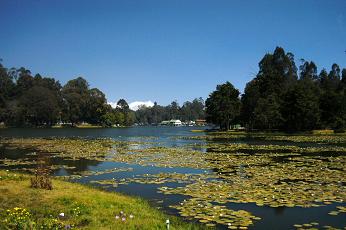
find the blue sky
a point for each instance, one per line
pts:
(165, 50)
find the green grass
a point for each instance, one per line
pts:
(83, 206)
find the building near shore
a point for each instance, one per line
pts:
(201, 122)
(172, 123)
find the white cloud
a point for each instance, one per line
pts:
(134, 105)
(113, 104)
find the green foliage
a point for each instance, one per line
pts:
(261, 102)
(301, 106)
(267, 113)
(21, 219)
(108, 119)
(277, 99)
(223, 105)
(40, 106)
(40, 101)
(190, 111)
(74, 206)
(17, 218)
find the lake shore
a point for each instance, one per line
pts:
(82, 207)
(233, 180)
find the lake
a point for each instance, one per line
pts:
(278, 180)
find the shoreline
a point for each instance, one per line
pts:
(82, 206)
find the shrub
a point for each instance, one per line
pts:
(42, 175)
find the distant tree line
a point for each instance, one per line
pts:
(27, 100)
(190, 111)
(280, 97)
(283, 97)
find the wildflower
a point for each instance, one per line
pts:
(117, 217)
(123, 219)
(131, 216)
(62, 214)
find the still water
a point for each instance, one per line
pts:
(271, 218)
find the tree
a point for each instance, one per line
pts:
(343, 78)
(40, 105)
(75, 95)
(301, 106)
(119, 117)
(267, 114)
(249, 102)
(194, 110)
(190, 111)
(331, 100)
(7, 90)
(277, 72)
(308, 70)
(24, 82)
(108, 119)
(174, 110)
(129, 118)
(124, 115)
(96, 106)
(122, 105)
(262, 98)
(223, 105)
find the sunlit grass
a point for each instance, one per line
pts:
(83, 206)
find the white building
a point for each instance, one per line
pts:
(175, 122)
(172, 123)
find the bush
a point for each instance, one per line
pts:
(42, 175)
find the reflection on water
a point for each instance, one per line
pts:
(145, 137)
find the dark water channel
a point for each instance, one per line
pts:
(272, 218)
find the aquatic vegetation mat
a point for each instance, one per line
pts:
(269, 175)
(211, 214)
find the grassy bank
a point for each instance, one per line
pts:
(83, 207)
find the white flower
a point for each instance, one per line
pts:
(117, 217)
(131, 216)
(62, 214)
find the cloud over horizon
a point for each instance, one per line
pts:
(134, 105)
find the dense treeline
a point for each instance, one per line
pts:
(190, 111)
(283, 97)
(27, 100)
(280, 97)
